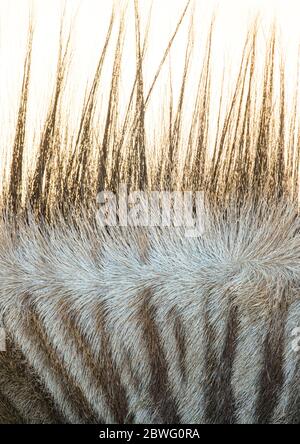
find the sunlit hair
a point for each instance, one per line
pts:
(256, 141)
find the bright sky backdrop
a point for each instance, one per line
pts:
(90, 21)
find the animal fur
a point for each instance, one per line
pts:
(150, 326)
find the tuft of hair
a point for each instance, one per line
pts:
(254, 150)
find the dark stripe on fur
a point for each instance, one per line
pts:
(68, 319)
(180, 338)
(272, 375)
(113, 389)
(26, 388)
(8, 412)
(227, 405)
(34, 329)
(219, 399)
(159, 387)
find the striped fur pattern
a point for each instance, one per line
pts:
(149, 326)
